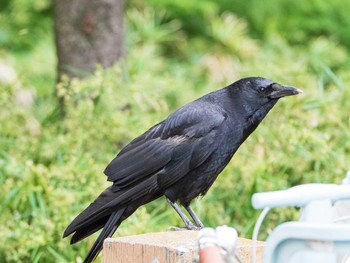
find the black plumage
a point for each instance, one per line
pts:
(180, 157)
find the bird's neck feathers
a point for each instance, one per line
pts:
(249, 112)
(254, 117)
(252, 110)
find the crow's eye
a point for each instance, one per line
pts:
(262, 89)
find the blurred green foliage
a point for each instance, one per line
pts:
(24, 23)
(296, 21)
(51, 167)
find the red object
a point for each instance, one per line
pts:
(210, 254)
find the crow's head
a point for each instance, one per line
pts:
(259, 91)
(258, 95)
(264, 90)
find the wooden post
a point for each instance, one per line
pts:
(167, 247)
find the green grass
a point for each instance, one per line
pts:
(52, 168)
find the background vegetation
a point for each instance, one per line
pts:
(51, 167)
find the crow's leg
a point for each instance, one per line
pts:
(194, 217)
(188, 223)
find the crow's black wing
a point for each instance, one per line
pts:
(183, 133)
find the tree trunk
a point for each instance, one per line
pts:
(87, 32)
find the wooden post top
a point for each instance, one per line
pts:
(167, 247)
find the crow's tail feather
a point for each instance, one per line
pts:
(108, 230)
(88, 230)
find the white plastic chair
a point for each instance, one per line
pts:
(319, 236)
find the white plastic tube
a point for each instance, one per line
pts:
(301, 195)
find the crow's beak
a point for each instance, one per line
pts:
(280, 91)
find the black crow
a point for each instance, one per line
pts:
(178, 158)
